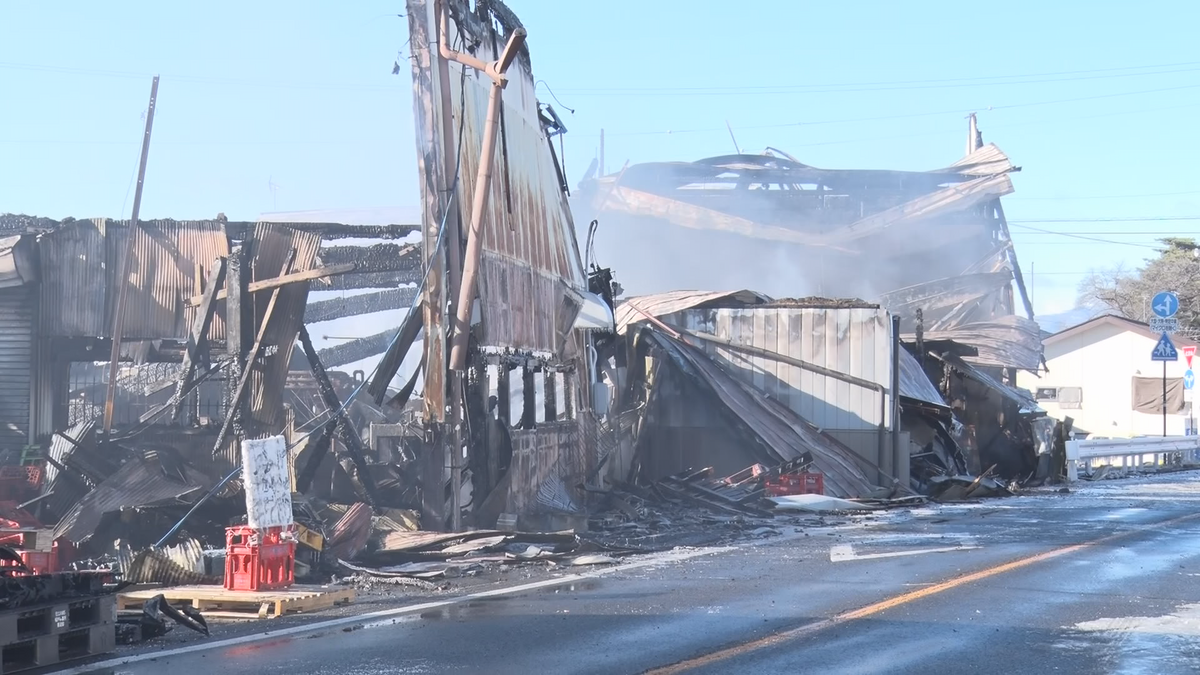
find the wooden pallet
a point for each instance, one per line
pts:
(218, 603)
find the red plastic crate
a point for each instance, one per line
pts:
(244, 535)
(795, 484)
(259, 560)
(41, 562)
(19, 483)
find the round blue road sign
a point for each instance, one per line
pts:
(1165, 304)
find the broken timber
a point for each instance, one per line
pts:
(250, 358)
(282, 280)
(365, 303)
(197, 351)
(385, 257)
(346, 432)
(358, 349)
(396, 352)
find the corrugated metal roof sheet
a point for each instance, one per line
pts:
(18, 264)
(915, 384)
(785, 433)
(134, 484)
(662, 304)
(16, 359)
(73, 294)
(1006, 341)
(530, 262)
(170, 261)
(986, 161)
(1019, 396)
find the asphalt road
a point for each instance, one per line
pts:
(1103, 580)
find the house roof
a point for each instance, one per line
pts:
(1118, 321)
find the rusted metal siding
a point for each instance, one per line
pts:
(851, 341)
(530, 256)
(16, 357)
(430, 144)
(170, 261)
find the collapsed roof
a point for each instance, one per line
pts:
(929, 243)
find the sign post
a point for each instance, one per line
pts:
(1165, 304)
(1189, 384)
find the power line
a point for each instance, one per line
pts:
(1083, 237)
(1128, 219)
(767, 90)
(201, 79)
(1084, 197)
(1135, 233)
(1095, 73)
(958, 111)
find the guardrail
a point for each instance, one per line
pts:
(1132, 452)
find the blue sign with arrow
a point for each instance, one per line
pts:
(1165, 304)
(1189, 379)
(1164, 350)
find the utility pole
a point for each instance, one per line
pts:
(122, 276)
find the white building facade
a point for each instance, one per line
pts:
(1101, 375)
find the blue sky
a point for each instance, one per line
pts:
(272, 106)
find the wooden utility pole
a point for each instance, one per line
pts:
(121, 279)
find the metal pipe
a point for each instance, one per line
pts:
(483, 178)
(776, 356)
(444, 43)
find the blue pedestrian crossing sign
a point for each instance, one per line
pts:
(1189, 379)
(1164, 350)
(1165, 304)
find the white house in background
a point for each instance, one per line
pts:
(1100, 374)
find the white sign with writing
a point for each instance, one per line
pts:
(268, 483)
(1160, 325)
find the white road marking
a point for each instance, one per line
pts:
(379, 618)
(844, 552)
(1185, 620)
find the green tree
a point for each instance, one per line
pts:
(1128, 292)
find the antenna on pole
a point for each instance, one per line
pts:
(274, 188)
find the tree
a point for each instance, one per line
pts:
(1128, 293)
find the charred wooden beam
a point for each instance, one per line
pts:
(368, 280)
(377, 258)
(244, 377)
(197, 345)
(315, 451)
(346, 433)
(357, 349)
(396, 351)
(326, 310)
(241, 230)
(283, 280)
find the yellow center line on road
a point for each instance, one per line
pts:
(898, 600)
